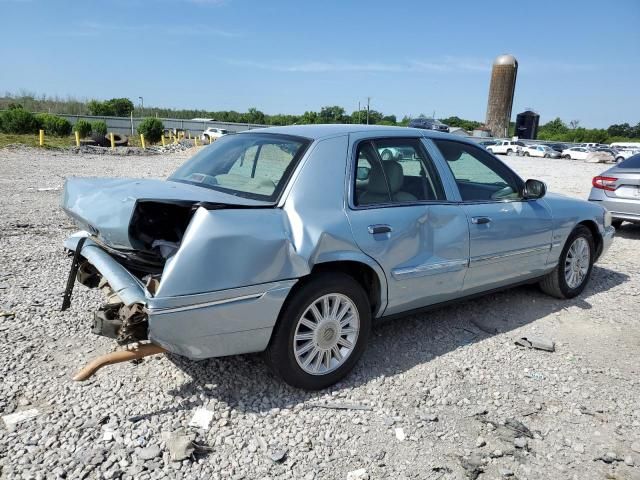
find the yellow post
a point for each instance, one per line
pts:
(113, 141)
(189, 135)
(142, 141)
(163, 143)
(196, 140)
(77, 139)
(42, 138)
(210, 140)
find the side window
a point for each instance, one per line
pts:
(395, 170)
(479, 176)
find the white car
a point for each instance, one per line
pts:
(576, 153)
(212, 133)
(625, 153)
(540, 151)
(506, 147)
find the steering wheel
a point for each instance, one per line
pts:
(502, 193)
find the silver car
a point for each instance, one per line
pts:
(293, 240)
(618, 190)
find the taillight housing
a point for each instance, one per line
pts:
(604, 183)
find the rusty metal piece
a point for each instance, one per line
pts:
(117, 357)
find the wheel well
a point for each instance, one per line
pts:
(595, 233)
(361, 272)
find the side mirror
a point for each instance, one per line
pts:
(534, 189)
(362, 173)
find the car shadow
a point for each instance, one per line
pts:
(630, 231)
(395, 346)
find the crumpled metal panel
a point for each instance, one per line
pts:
(103, 206)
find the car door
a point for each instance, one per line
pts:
(401, 217)
(510, 237)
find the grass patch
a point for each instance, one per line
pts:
(32, 140)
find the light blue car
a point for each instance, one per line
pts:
(293, 240)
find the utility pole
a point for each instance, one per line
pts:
(368, 101)
(141, 106)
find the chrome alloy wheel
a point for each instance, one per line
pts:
(576, 265)
(326, 334)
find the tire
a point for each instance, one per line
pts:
(619, 159)
(616, 224)
(509, 152)
(386, 155)
(489, 150)
(567, 157)
(525, 154)
(555, 283)
(280, 354)
(546, 155)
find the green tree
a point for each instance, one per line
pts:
(54, 125)
(332, 114)
(255, 116)
(18, 120)
(121, 107)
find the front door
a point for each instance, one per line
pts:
(400, 217)
(510, 236)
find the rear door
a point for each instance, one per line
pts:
(401, 217)
(510, 237)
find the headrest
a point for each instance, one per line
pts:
(394, 173)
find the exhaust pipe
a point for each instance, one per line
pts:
(96, 364)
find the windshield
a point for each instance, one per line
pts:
(251, 165)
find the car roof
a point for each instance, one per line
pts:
(318, 131)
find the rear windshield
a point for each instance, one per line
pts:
(251, 165)
(631, 162)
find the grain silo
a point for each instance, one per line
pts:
(503, 84)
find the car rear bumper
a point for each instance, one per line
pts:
(202, 325)
(620, 208)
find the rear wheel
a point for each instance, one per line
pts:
(571, 275)
(568, 157)
(616, 224)
(321, 333)
(546, 155)
(509, 152)
(619, 159)
(526, 154)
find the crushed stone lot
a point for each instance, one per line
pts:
(441, 395)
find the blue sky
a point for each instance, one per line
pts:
(578, 59)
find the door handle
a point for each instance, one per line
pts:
(480, 220)
(373, 229)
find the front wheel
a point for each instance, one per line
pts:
(568, 157)
(321, 333)
(571, 275)
(526, 154)
(546, 155)
(509, 152)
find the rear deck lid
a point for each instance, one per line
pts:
(104, 206)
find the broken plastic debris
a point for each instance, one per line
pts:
(13, 419)
(539, 343)
(201, 418)
(400, 434)
(360, 474)
(180, 444)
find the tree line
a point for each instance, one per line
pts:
(555, 130)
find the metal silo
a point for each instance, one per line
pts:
(501, 89)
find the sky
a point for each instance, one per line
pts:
(578, 60)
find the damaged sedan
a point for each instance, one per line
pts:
(293, 240)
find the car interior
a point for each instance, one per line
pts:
(399, 179)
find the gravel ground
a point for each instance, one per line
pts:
(445, 394)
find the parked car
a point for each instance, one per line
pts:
(486, 143)
(540, 151)
(618, 190)
(212, 133)
(506, 147)
(293, 240)
(429, 124)
(624, 153)
(558, 147)
(576, 153)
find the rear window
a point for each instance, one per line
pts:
(631, 162)
(251, 165)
